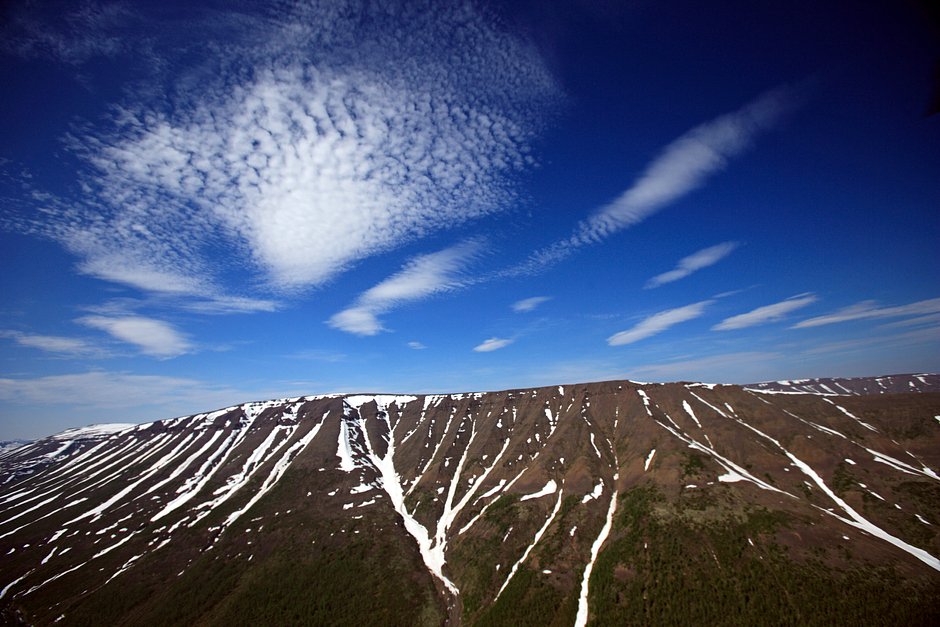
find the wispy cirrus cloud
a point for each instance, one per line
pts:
(694, 262)
(870, 309)
(765, 314)
(421, 277)
(152, 337)
(658, 322)
(492, 344)
(682, 166)
(318, 157)
(529, 304)
(418, 346)
(222, 304)
(208, 304)
(56, 344)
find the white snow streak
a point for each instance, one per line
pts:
(582, 617)
(852, 416)
(646, 402)
(538, 536)
(596, 450)
(343, 449)
(688, 410)
(549, 488)
(280, 467)
(857, 520)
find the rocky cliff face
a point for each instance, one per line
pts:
(606, 502)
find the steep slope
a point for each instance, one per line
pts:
(594, 503)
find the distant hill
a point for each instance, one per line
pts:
(792, 502)
(890, 384)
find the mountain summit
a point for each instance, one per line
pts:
(814, 501)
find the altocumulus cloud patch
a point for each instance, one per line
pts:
(287, 174)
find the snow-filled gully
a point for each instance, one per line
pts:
(432, 544)
(535, 540)
(432, 555)
(854, 518)
(582, 616)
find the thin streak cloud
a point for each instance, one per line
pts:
(52, 343)
(683, 166)
(529, 304)
(869, 309)
(765, 314)
(694, 262)
(659, 322)
(492, 344)
(421, 277)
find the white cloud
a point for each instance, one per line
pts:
(492, 344)
(323, 154)
(869, 309)
(228, 305)
(53, 343)
(659, 322)
(422, 277)
(528, 304)
(686, 164)
(696, 261)
(680, 168)
(153, 337)
(765, 314)
(416, 346)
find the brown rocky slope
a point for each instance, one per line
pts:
(608, 503)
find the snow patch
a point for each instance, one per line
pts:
(595, 493)
(549, 488)
(649, 460)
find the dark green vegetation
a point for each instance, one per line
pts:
(530, 600)
(662, 569)
(531, 597)
(692, 465)
(359, 580)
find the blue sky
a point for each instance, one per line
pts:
(203, 205)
